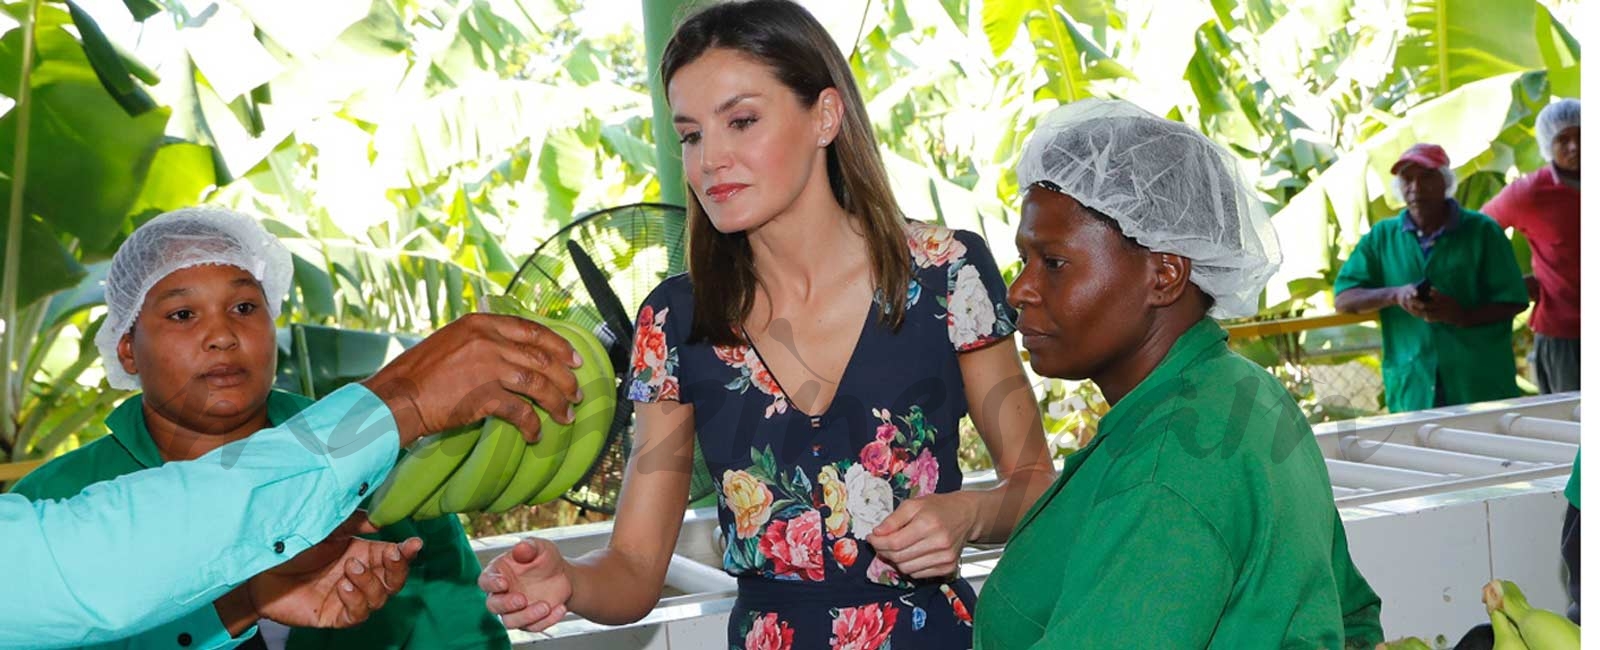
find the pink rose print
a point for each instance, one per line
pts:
(887, 432)
(863, 628)
(880, 572)
(769, 634)
(923, 474)
(878, 458)
(762, 378)
(739, 356)
(650, 348)
(744, 359)
(795, 546)
(652, 358)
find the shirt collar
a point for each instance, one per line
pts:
(1199, 338)
(128, 427)
(1559, 179)
(1449, 224)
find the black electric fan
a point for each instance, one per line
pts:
(595, 272)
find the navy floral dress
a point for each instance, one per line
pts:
(797, 492)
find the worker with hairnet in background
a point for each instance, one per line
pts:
(1544, 207)
(1200, 515)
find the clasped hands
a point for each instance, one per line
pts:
(337, 583)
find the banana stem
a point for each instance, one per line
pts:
(10, 383)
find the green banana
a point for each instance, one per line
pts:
(592, 419)
(1541, 629)
(540, 461)
(1505, 632)
(486, 472)
(430, 506)
(420, 473)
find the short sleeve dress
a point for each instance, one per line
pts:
(797, 493)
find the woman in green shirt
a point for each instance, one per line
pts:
(1200, 516)
(191, 299)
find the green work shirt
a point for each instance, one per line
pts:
(439, 607)
(1472, 263)
(1200, 516)
(1574, 489)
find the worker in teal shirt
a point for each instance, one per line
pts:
(204, 356)
(162, 548)
(109, 563)
(1445, 284)
(1200, 515)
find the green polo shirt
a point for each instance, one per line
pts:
(1472, 263)
(1200, 516)
(440, 605)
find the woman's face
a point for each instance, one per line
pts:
(204, 348)
(1083, 293)
(750, 148)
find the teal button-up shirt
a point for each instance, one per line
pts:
(439, 607)
(139, 552)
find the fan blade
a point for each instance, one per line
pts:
(611, 310)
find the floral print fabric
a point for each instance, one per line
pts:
(798, 493)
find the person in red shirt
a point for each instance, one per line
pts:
(1543, 206)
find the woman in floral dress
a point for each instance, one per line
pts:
(823, 350)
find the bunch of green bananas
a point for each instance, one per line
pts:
(1520, 626)
(489, 467)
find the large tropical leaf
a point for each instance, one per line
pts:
(180, 175)
(110, 65)
(87, 158)
(1226, 98)
(1456, 42)
(48, 266)
(484, 120)
(1068, 58)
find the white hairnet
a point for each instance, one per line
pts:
(175, 241)
(1555, 118)
(1168, 188)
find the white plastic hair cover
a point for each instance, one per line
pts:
(1555, 118)
(178, 240)
(1167, 186)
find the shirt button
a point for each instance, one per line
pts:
(277, 547)
(184, 639)
(363, 491)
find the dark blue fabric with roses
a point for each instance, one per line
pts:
(798, 493)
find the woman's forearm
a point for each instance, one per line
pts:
(610, 589)
(1000, 508)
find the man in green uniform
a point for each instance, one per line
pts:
(1447, 285)
(196, 336)
(1200, 515)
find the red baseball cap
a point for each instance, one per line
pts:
(1431, 156)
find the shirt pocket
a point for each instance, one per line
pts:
(1455, 270)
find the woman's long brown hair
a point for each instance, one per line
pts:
(789, 40)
